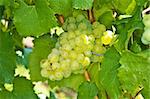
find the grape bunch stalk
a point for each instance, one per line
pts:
(75, 50)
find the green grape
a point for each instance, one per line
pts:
(44, 63)
(71, 20)
(86, 61)
(98, 41)
(66, 47)
(99, 49)
(146, 35)
(82, 26)
(146, 20)
(71, 27)
(80, 17)
(64, 54)
(77, 32)
(53, 58)
(75, 66)
(63, 41)
(71, 35)
(45, 73)
(73, 55)
(80, 58)
(58, 75)
(95, 25)
(55, 51)
(72, 43)
(55, 66)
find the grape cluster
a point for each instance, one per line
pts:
(75, 49)
(146, 35)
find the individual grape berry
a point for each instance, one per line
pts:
(71, 27)
(71, 20)
(80, 17)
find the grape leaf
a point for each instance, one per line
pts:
(135, 72)
(34, 20)
(43, 46)
(62, 7)
(5, 2)
(87, 90)
(125, 30)
(82, 4)
(7, 58)
(22, 89)
(93, 71)
(108, 81)
(74, 81)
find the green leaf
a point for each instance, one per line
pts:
(62, 7)
(43, 46)
(7, 58)
(93, 71)
(87, 90)
(74, 81)
(135, 73)
(108, 81)
(82, 4)
(125, 30)
(23, 89)
(122, 5)
(34, 20)
(5, 2)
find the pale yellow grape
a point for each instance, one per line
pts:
(55, 66)
(80, 58)
(64, 54)
(86, 61)
(53, 58)
(45, 73)
(73, 55)
(44, 63)
(71, 35)
(75, 66)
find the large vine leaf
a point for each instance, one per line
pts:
(7, 58)
(87, 90)
(34, 20)
(82, 4)
(62, 7)
(74, 81)
(22, 89)
(108, 81)
(43, 46)
(135, 73)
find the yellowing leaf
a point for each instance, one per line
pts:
(22, 71)
(8, 87)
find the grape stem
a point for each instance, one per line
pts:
(91, 15)
(60, 19)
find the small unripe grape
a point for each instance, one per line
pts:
(86, 61)
(79, 18)
(71, 20)
(45, 73)
(82, 26)
(71, 27)
(58, 75)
